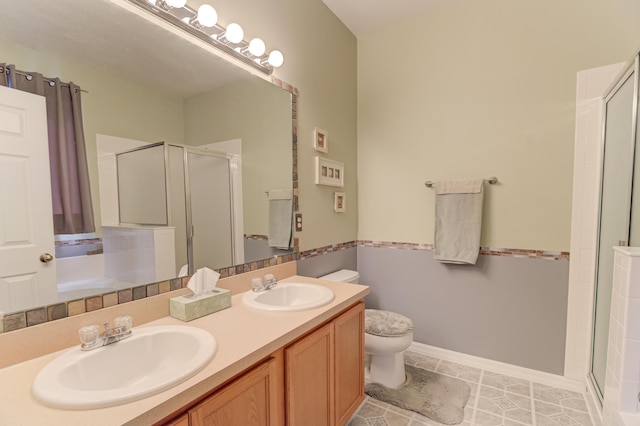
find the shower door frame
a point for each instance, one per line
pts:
(631, 69)
(232, 198)
(234, 193)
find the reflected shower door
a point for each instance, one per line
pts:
(142, 171)
(210, 210)
(615, 207)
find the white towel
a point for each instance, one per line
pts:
(458, 221)
(184, 271)
(280, 215)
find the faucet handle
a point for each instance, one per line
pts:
(270, 281)
(88, 334)
(124, 322)
(256, 283)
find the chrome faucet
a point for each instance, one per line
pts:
(268, 282)
(91, 339)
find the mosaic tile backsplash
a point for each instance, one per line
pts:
(487, 251)
(18, 320)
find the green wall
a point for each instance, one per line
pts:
(479, 89)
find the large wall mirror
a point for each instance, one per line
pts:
(148, 89)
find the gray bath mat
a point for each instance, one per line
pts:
(433, 395)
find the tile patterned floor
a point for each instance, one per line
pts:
(496, 400)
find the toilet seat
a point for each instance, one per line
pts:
(386, 323)
(387, 336)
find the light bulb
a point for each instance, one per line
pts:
(176, 3)
(234, 33)
(207, 16)
(275, 58)
(257, 47)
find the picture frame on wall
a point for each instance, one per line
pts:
(320, 140)
(339, 202)
(329, 172)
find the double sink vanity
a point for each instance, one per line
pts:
(292, 354)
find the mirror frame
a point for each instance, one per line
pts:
(39, 315)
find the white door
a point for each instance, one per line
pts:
(26, 219)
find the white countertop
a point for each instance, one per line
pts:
(244, 335)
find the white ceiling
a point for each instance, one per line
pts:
(363, 17)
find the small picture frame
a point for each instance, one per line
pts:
(339, 202)
(320, 140)
(329, 172)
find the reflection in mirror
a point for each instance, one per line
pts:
(146, 86)
(188, 192)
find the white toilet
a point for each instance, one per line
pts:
(387, 336)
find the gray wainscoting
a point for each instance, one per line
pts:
(504, 308)
(323, 264)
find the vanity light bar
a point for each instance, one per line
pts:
(229, 40)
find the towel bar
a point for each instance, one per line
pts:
(492, 180)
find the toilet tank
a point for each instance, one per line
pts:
(343, 275)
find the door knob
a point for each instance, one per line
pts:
(45, 258)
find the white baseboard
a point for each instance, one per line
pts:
(501, 367)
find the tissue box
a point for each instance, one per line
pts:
(189, 307)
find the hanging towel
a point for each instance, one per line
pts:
(458, 221)
(280, 215)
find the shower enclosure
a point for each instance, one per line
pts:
(186, 188)
(619, 204)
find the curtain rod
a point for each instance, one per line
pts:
(26, 74)
(492, 180)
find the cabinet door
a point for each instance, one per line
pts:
(250, 400)
(349, 362)
(309, 379)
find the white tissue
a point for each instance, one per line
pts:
(203, 281)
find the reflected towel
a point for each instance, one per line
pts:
(280, 218)
(184, 271)
(458, 221)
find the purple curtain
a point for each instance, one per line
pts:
(4, 75)
(71, 194)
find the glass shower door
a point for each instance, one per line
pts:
(142, 171)
(211, 213)
(615, 208)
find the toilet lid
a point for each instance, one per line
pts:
(385, 323)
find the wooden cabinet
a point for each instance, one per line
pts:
(317, 380)
(183, 420)
(309, 379)
(349, 362)
(324, 372)
(254, 399)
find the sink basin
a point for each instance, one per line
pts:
(289, 297)
(153, 359)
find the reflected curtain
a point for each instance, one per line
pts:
(70, 190)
